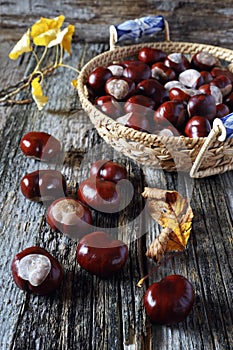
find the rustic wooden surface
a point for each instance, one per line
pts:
(87, 312)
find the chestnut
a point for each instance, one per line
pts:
(149, 55)
(108, 170)
(153, 89)
(137, 71)
(100, 194)
(202, 105)
(203, 61)
(139, 103)
(35, 270)
(206, 77)
(221, 110)
(216, 71)
(223, 83)
(40, 145)
(173, 111)
(43, 185)
(98, 77)
(109, 106)
(101, 255)
(197, 126)
(191, 78)
(69, 216)
(179, 94)
(116, 69)
(213, 91)
(177, 61)
(120, 87)
(138, 121)
(170, 300)
(162, 73)
(228, 100)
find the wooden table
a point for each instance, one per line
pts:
(88, 312)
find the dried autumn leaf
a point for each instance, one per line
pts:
(45, 24)
(37, 94)
(45, 38)
(74, 83)
(22, 46)
(66, 42)
(173, 212)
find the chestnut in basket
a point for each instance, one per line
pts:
(203, 61)
(213, 91)
(100, 194)
(40, 145)
(223, 83)
(191, 78)
(170, 300)
(149, 55)
(153, 89)
(177, 61)
(173, 111)
(98, 77)
(138, 121)
(109, 106)
(216, 71)
(162, 73)
(102, 255)
(179, 94)
(202, 105)
(108, 170)
(197, 126)
(69, 216)
(120, 87)
(221, 110)
(137, 71)
(139, 103)
(34, 269)
(43, 185)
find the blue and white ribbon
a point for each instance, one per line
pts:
(228, 124)
(135, 29)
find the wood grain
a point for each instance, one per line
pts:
(86, 312)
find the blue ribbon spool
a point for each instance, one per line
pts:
(137, 28)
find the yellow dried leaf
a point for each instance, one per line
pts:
(37, 94)
(59, 37)
(173, 212)
(23, 45)
(66, 42)
(45, 38)
(45, 24)
(74, 83)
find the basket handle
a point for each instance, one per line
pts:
(137, 28)
(217, 132)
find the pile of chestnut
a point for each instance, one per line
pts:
(35, 270)
(165, 94)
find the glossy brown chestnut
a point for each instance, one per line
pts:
(221, 110)
(101, 255)
(170, 300)
(36, 270)
(206, 76)
(179, 94)
(137, 71)
(213, 91)
(139, 103)
(138, 121)
(228, 100)
(70, 217)
(108, 170)
(203, 61)
(98, 77)
(197, 126)
(120, 87)
(216, 71)
(43, 185)
(223, 83)
(99, 194)
(153, 89)
(109, 106)
(202, 105)
(162, 73)
(40, 145)
(173, 111)
(149, 55)
(177, 61)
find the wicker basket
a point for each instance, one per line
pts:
(200, 157)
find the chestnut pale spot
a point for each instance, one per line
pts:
(189, 77)
(116, 70)
(206, 58)
(34, 268)
(175, 57)
(118, 88)
(67, 211)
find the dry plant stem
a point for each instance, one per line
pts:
(157, 248)
(17, 102)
